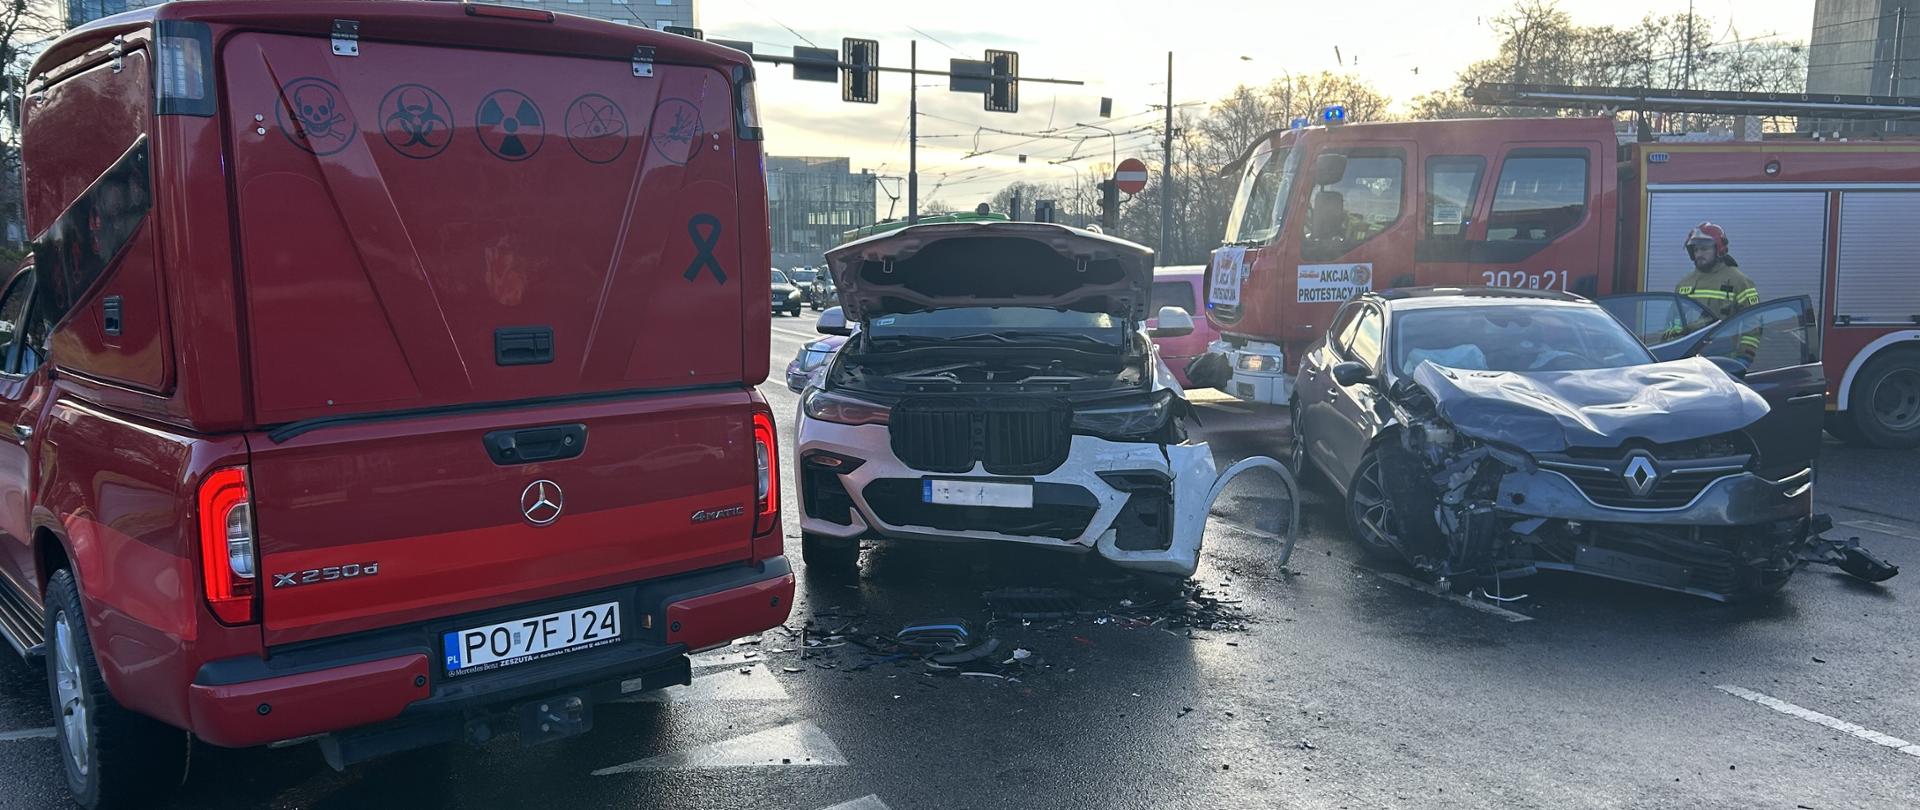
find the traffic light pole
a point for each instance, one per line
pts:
(1166, 174)
(913, 132)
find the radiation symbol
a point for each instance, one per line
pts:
(596, 128)
(510, 125)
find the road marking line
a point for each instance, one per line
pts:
(798, 745)
(757, 683)
(1812, 716)
(28, 734)
(1491, 610)
(1882, 528)
(867, 802)
(809, 337)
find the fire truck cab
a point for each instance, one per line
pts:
(1323, 214)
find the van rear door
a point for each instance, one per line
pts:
(476, 282)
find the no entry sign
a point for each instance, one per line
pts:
(1130, 176)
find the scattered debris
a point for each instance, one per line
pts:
(1819, 660)
(934, 634)
(1304, 745)
(1032, 603)
(1184, 711)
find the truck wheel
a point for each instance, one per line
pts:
(1370, 512)
(113, 757)
(830, 556)
(1886, 401)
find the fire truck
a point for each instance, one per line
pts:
(1325, 212)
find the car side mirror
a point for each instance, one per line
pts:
(832, 322)
(1732, 367)
(1174, 322)
(1350, 373)
(1329, 168)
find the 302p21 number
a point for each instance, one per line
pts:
(1521, 279)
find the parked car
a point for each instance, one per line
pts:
(316, 434)
(812, 358)
(1484, 434)
(786, 296)
(821, 295)
(1000, 387)
(1181, 287)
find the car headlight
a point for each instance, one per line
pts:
(843, 410)
(1263, 363)
(1125, 419)
(793, 294)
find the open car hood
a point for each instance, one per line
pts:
(1551, 411)
(965, 264)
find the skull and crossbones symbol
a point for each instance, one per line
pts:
(318, 123)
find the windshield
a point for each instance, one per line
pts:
(1514, 338)
(1258, 208)
(999, 324)
(780, 278)
(802, 276)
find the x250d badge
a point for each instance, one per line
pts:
(331, 573)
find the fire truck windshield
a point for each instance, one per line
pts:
(1259, 207)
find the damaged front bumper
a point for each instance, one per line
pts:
(1142, 505)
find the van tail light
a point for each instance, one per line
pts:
(766, 480)
(746, 105)
(229, 557)
(183, 68)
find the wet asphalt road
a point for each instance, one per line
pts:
(1348, 687)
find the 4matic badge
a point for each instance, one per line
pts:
(710, 515)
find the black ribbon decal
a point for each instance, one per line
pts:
(704, 230)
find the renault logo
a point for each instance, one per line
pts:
(1640, 475)
(541, 502)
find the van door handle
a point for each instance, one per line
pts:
(23, 431)
(526, 446)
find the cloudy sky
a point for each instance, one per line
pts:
(1119, 48)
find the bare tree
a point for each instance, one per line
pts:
(25, 29)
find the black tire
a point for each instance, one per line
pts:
(1885, 402)
(1841, 426)
(1304, 473)
(126, 759)
(829, 556)
(1370, 512)
(795, 312)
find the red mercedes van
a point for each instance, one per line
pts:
(335, 405)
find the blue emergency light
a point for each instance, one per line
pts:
(1333, 114)
(1299, 122)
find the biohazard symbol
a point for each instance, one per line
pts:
(596, 128)
(510, 125)
(676, 130)
(311, 116)
(413, 119)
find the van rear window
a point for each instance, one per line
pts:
(77, 247)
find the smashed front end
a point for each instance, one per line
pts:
(1000, 389)
(1488, 489)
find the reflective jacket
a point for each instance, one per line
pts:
(1722, 288)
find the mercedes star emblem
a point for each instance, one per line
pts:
(541, 502)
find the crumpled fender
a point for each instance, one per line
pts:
(1195, 488)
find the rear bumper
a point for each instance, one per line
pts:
(388, 692)
(1270, 386)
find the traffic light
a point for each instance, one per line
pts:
(816, 65)
(860, 82)
(1003, 91)
(1109, 206)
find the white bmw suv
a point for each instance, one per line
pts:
(999, 386)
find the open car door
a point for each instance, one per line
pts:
(1774, 348)
(1669, 323)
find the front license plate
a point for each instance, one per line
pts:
(976, 493)
(517, 642)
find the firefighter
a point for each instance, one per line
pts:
(1717, 284)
